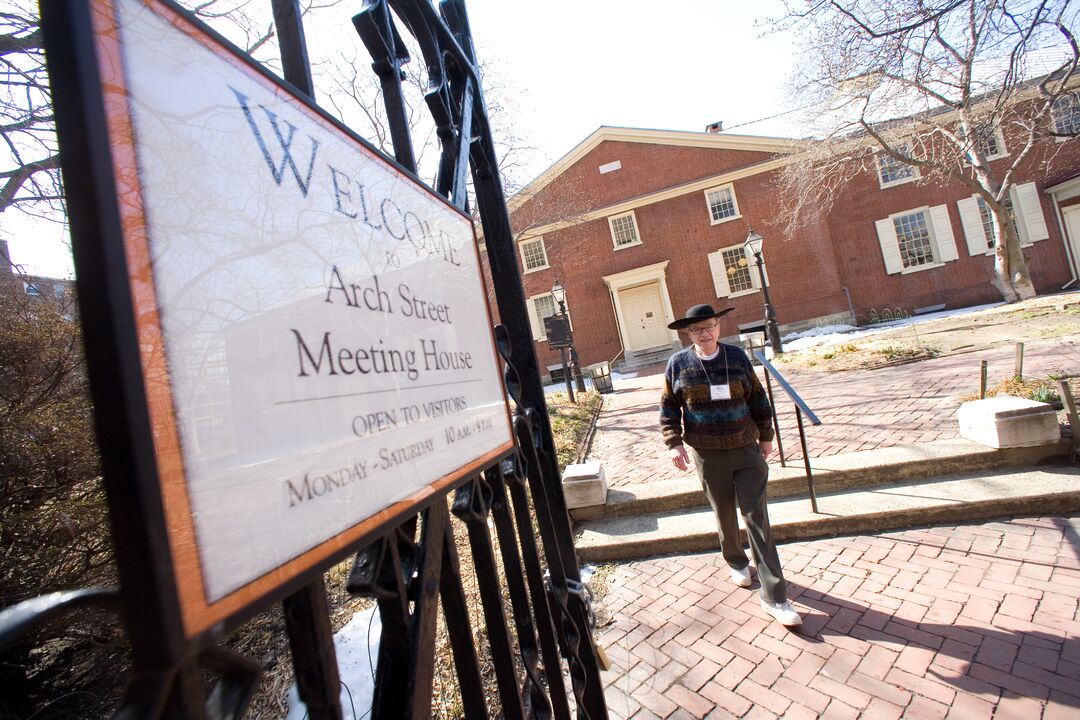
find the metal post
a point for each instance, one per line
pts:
(566, 375)
(806, 461)
(575, 366)
(1019, 360)
(775, 422)
(983, 368)
(771, 328)
(1070, 407)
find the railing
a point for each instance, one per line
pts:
(800, 408)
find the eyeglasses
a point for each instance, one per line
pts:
(711, 327)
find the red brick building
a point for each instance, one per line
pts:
(638, 225)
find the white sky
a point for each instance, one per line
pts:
(578, 65)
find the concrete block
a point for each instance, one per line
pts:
(1007, 422)
(584, 484)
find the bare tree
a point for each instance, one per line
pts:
(930, 84)
(30, 179)
(29, 172)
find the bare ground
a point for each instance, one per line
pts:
(1041, 318)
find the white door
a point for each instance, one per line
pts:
(1071, 215)
(643, 317)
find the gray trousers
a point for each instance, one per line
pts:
(742, 473)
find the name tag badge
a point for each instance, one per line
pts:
(720, 392)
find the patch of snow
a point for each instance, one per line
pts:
(835, 334)
(357, 648)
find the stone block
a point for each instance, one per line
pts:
(1007, 422)
(584, 484)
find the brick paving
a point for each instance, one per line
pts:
(859, 410)
(962, 622)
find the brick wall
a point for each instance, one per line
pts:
(807, 272)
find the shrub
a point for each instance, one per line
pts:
(54, 532)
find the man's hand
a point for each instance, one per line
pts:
(679, 458)
(766, 448)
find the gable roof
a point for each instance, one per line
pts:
(715, 141)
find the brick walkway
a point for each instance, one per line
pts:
(859, 410)
(968, 622)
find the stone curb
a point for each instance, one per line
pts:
(831, 474)
(706, 541)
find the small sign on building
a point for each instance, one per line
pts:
(557, 329)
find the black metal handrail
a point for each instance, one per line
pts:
(800, 408)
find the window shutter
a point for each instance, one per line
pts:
(535, 323)
(943, 234)
(1029, 213)
(890, 249)
(971, 219)
(719, 277)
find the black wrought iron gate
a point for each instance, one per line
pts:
(412, 570)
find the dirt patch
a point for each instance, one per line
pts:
(1041, 318)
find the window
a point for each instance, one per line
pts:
(1066, 114)
(541, 306)
(31, 289)
(721, 202)
(533, 255)
(990, 143)
(737, 270)
(624, 230)
(1024, 207)
(989, 227)
(913, 236)
(915, 240)
(733, 272)
(892, 171)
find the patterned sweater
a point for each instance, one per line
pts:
(689, 414)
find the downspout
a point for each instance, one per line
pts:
(618, 331)
(1073, 261)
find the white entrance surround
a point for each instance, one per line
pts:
(1068, 222)
(641, 276)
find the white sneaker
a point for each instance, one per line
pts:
(783, 612)
(741, 577)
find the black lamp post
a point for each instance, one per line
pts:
(559, 293)
(754, 242)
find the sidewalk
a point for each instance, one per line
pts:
(859, 410)
(959, 622)
(966, 622)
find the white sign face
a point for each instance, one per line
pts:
(323, 321)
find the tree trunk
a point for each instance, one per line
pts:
(1011, 275)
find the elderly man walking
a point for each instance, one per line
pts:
(714, 403)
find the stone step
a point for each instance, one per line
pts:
(831, 474)
(951, 499)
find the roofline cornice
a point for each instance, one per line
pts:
(674, 138)
(661, 195)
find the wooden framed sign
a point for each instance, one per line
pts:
(312, 326)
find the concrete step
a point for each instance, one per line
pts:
(950, 499)
(832, 473)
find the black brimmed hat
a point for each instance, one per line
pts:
(697, 314)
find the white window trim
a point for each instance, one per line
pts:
(719, 277)
(1027, 207)
(611, 228)
(1054, 118)
(734, 204)
(939, 227)
(521, 251)
(915, 175)
(1003, 150)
